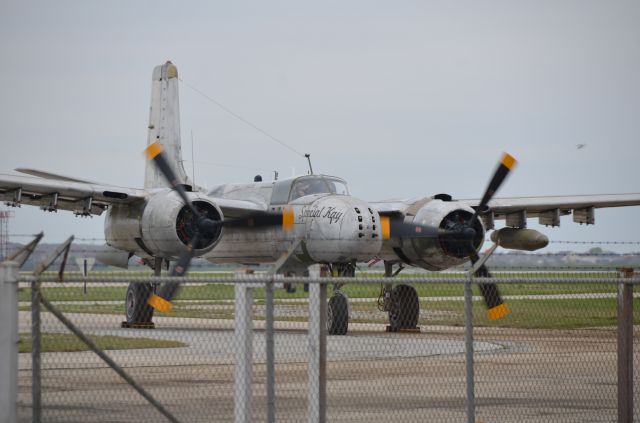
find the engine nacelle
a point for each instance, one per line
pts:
(162, 227)
(443, 251)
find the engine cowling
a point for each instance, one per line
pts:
(445, 250)
(162, 227)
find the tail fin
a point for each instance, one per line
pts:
(164, 125)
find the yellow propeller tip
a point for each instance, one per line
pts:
(385, 227)
(153, 150)
(288, 218)
(508, 161)
(498, 312)
(159, 303)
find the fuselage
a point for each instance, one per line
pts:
(332, 225)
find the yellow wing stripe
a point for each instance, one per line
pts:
(385, 226)
(153, 150)
(498, 312)
(159, 303)
(508, 161)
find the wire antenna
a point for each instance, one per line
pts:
(193, 163)
(240, 118)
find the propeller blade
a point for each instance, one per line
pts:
(398, 228)
(262, 219)
(154, 152)
(504, 167)
(161, 300)
(496, 308)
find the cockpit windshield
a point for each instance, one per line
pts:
(309, 185)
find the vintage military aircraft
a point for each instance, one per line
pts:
(291, 223)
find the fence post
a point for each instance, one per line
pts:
(317, 348)
(244, 351)
(8, 341)
(36, 337)
(269, 345)
(468, 349)
(625, 348)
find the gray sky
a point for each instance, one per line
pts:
(399, 98)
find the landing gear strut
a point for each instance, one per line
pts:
(401, 302)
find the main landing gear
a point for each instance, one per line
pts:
(138, 312)
(401, 302)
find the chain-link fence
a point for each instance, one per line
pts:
(554, 357)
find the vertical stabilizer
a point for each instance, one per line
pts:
(164, 125)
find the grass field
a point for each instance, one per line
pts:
(214, 301)
(66, 342)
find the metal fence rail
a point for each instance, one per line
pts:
(229, 352)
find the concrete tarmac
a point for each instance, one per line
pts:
(521, 375)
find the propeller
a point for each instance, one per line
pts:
(496, 307)
(201, 227)
(460, 234)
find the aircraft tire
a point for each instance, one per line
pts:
(405, 308)
(135, 306)
(338, 314)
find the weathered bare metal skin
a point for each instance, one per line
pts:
(122, 226)
(328, 226)
(334, 233)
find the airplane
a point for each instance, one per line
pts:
(291, 223)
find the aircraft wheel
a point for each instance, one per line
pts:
(405, 308)
(338, 314)
(136, 308)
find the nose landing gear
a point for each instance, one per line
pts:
(338, 307)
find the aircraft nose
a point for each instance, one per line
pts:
(363, 223)
(341, 229)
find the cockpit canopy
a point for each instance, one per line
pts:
(292, 189)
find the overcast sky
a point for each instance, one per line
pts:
(400, 98)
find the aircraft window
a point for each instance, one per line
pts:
(338, 187)
(280, 193)
(317, 185)
(301, 188)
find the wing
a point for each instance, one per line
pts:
(517, 209)
(549, 209)
(82, 198)
(85, 198)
